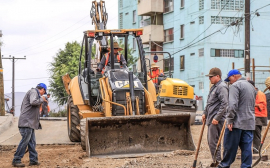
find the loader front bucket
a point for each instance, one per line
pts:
(140, 134)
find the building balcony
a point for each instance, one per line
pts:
(156, 31)
(149, 7)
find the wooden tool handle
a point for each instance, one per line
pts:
(266, 131)
(199, 143)
(221, 134)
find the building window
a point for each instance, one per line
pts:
(227, 53)
(168, 6)
(121, 21)
(182, 3)
(134, 44)
(227, 5)
(182, 62)
(201, 85)
(134, 16)
(126, 13)
(168, 64)
(145, 21)
(201, 4)
(121, 3)
(192, 54)
(201, 20)
(224, 20)
(201, 52)
(168, 35)
(192, 22)
(182, 27)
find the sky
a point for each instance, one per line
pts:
(37, 29)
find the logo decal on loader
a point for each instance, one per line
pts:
(125, 84)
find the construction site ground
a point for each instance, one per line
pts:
(54, 150)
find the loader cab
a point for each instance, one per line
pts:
(89, 78)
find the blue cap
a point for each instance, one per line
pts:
(231, 73)
(43, 86)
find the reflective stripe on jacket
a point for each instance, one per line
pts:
(108, 56)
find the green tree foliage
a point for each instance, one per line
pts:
(65, 61)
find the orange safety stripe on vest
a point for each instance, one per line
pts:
(107, 58)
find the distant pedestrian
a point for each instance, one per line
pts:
(28, 123)
(44, 109)
(260, 118)
(240, 121)
(215, 110)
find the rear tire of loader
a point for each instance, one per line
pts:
(73, 121)
(82, 126)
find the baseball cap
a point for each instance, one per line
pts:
(43, 86)
(214, 72)
(231, 73)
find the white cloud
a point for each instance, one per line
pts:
(38, 29)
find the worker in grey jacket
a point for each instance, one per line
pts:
(215, 110)
(28, 123)
(240, 120)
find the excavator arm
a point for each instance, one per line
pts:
(99, 18)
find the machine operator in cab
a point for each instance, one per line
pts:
(106, 61)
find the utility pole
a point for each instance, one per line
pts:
(2, 98)
(247, 39)
(13, 81)
(253, 70)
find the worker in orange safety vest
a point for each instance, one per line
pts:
(155, 72)
(106, 61)
(260, 118)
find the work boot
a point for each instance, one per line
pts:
(18, 164)
(34, 164)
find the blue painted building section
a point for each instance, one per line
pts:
(126, 9)
(202, 18)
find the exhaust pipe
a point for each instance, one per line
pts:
(131, 88)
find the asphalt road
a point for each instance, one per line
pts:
(53, 132)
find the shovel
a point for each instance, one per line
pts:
(198, 146)
(215, 162)
(260, 148)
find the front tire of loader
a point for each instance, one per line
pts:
(82, 126)
(73, 120)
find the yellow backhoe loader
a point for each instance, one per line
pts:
(114, 114)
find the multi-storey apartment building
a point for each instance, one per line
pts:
(174, 25)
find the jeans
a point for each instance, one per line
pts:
(28, 139)
(233, 139)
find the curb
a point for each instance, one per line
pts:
(7, 123)
(53, 118)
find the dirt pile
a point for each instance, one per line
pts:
(74, 156)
